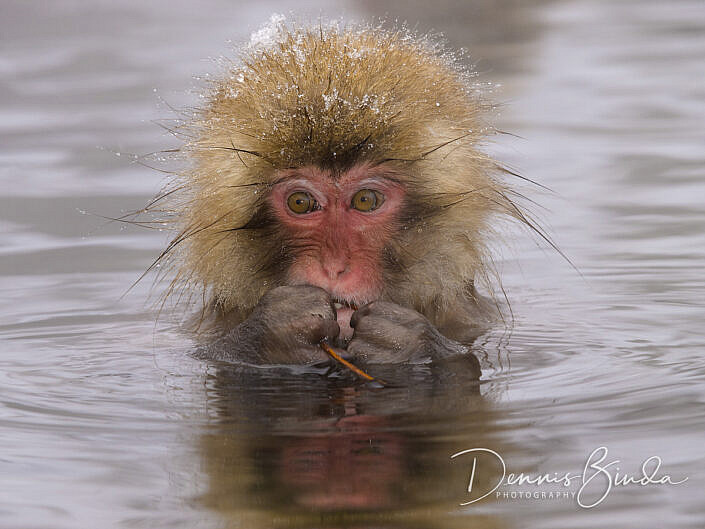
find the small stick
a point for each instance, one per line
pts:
(328, 349)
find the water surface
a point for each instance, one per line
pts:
(105, 421)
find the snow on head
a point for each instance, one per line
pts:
(269, 33)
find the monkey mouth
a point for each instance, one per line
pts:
(344, 310)
(343, 303)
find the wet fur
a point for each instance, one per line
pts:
(335, 97)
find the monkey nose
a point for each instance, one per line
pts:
(335, 268)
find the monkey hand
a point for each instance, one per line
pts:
(285, 327)
(388, 333)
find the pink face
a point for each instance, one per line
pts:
(337, 228)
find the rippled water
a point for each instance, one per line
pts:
(105, 421)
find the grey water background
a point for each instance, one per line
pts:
(105, 421)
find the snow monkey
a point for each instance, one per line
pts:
(336, 191)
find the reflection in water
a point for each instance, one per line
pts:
(302, 449)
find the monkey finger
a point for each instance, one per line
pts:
(323, 329)
(373, 352)
(387, 333)
(323, 312)
(369, 352)
(391, 311)
(370, 325)
(296, 294)
(310, 355)
(358, 314)
(377, 308)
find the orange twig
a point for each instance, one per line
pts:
(329, 350)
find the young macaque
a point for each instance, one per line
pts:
(336, 192)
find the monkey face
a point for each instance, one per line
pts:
(336, 226)
(343, 157)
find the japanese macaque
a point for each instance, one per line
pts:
(336, 191)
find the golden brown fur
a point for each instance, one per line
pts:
(332, 98)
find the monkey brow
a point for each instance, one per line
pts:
(386, 173)
(381, 173)
(285, 177)
(391, 176)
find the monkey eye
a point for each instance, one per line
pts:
(302, 202)
(367, 200)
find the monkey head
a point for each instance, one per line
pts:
(345, 158)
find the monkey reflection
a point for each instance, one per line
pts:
(336, 191)
(294, 448)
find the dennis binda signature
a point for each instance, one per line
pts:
(590, 487)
